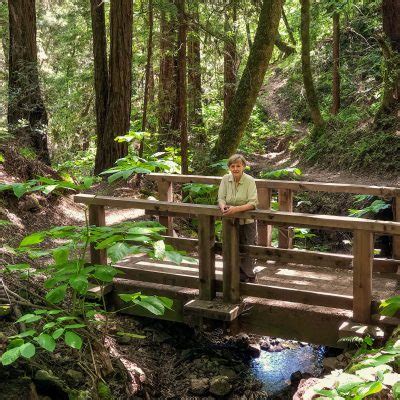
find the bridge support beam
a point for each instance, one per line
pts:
(206, 247)
(363, 251)
(285, 200)
(231, 260)
(166, 193)
(97, 217)
(396, 238)
(264, 230)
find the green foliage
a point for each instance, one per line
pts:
(200, 193)
(369, 210)
(284, 173)
(45, 186)
(390, 306)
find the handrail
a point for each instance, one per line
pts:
(273, 217)
(383, 191)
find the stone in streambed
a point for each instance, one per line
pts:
(220, 386)
(199, 386)
(254, 349)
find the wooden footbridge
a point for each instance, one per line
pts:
(305, 295)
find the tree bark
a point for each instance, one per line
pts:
(194, 70)
(311, 94)
(27, 116)
(250, 83)
(120, 80)
(288, 28)
(167, 82)
(336, 64)
(391, 51)
(148, 71)
(182, 84)
(100, 74)
(284, 47)
(230, 56)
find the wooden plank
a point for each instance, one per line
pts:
(349, 328)
(206, 234)
(297, 296)
(363, 248)
(396, 218)
(97, 217)
(273, 217)
(264, 229)
(179, 243)
(285, 235)
(383, 191)
(231, 260)
(212, 309)
(166, 193)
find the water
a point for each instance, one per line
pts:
(275, 369)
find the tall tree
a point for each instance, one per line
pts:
(390, 44)
(311, 94)
(336, 63)
(182, 84)
(250, 83)
(230, 54)
(27, 116)
(100, 73)
(194, 68)
(148, 72)
(118, 110)
(167, 79)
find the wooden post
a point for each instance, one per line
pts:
(396, 218)
(231, 260)
(285, 200)
(166, 193)
(206, 257)
(97, 217)
(363, 252)
(264, 230)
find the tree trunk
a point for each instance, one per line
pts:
(27, 116)
(336, 64)
(147, 74)
(311, 95)
(120, 79)
(182, 84)
(284, 47)
(391, 52)
(230, 56)
(100, 74)
(250, 83)
(288, 28)
(167, 82)
(194, 70)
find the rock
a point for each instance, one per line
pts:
(123, 339)
(199, 386)
(295, 378)
(242, 337)
(330, 363)
(228, 372)
(254, 350)
(49, 384)
(265, 344)
(74, 377)
(220, 386)
(304, 385)
(276, 348)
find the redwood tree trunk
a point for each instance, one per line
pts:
(250, 83)
(194, 70)
(100, 74)
(311, 94)
(167, 82)
(120, 80)
(182, 85)
(336, 64)
(230, 56)
(27, 116)
(391, 50)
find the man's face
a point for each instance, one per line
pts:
(236, 169)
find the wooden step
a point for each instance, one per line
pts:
(349, 328)
(214, 309)
(95, 292)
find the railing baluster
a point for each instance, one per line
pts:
(285, 200)
(97, 217)
(396, 218)
(363, 250)
(264, 229)
(166, 193)
(231, 260)
(206, 257)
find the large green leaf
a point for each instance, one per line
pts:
(46, 341)
(118, 251)
(29, 318)
(159, 249)
(174, 256)
(79, 283)
(110, 240)
(10, 356)
(57, 333)
(105, 273)
(27, 350)
(35, 238)
(56, 295)
(396, 391)
(73, 340)
(20, 189)
(60, 255)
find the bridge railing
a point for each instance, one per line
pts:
(286, 191)
(362, 258)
